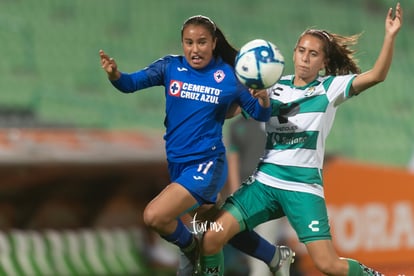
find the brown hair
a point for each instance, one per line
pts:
(223, 48)
(340, 57)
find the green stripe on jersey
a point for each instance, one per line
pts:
(326, 83)
(297, 140)
(317, 103)
(293, 173)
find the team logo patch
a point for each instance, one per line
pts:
(219, 75)
(175, 88)
(310, 91)
(314, 226)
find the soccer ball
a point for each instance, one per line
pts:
(259, 64)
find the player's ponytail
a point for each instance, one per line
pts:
(223, 48)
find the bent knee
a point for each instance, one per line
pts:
(153, 219)
(331, 267)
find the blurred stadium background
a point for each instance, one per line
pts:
(78, 161)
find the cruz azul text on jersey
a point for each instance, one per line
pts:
(195, 92)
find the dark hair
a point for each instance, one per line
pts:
(339, 55)
(223, 48)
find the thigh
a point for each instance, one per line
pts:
(253, 204)
(173, 201)
(307, 214)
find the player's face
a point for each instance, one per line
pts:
(309, 59)
(198, 45)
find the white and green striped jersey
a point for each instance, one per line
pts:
(296, 132)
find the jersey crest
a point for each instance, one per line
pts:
(219, 76)
(175, 88)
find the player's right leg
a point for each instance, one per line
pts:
(162, 212)
(328, 262)
(203, 181)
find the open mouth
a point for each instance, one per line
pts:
(196, 59)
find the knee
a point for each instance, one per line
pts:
(330, 266)
(153, 219)
(212, 243)
(323, 267)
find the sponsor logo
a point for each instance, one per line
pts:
(195, 92)
(213, 271)
(313, 227)
(275, 91)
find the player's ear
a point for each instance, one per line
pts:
(293, 54)
(214, 43)
(325, 63)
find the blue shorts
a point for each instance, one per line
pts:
(204, 179)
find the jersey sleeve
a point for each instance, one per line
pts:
(252, 106)
(152, 75)
(339, 88)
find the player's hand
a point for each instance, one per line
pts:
(109, 65)
(262, 96)
(393, 22)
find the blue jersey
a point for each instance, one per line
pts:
(196, 103)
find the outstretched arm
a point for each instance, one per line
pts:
(379, 71)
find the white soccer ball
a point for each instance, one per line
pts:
(259, 64)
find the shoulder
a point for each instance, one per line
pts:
(286, 80)
(173, 57)
(225, 74)
(169, 59)
(164, 63)
(286, 77)
(335, 81)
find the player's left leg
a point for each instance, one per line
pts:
(189, 258)
(241, 212)
(212, 259)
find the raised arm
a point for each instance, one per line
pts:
(379, 71)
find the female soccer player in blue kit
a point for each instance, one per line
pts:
(288, 181)
(200, 87)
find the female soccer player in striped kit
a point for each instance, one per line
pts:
(288, 181)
